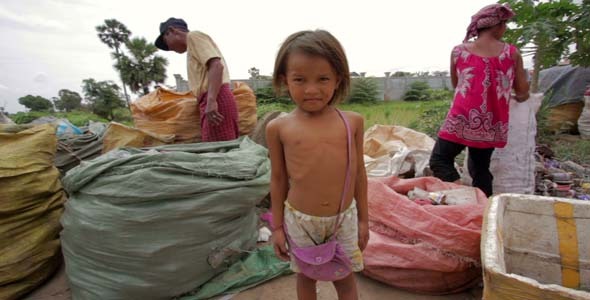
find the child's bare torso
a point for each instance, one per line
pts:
(315, 150)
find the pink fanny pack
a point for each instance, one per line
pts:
(326, 261)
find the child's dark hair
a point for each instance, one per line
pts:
(315, 43)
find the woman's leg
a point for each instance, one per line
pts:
(479, 167)
(346, 288)
(442, 160)
(306, 288)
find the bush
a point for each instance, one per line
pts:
(418, 91)
(27, 117)
(440, 94)
(364, 90)
(123, 115)
(80, 118)
(432, 118)
(264, 108)
(266, 95)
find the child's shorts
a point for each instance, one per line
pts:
(306, 230)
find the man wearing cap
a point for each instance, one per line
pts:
(208, 78)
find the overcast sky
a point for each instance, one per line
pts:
(50, 45)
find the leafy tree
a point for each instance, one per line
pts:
(68, 100)
(142, 67)
(254, 73)
(103, 97)
(36, 103)
(418, 91)
(543, 29)
(363, 89)
(582, 35)
(114, 34)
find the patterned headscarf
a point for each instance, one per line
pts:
(488, 16)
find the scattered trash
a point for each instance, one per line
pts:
(565, 179)
(459, 196)
(396, 151)
(264, 234)
(421, 195)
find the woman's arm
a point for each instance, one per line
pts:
(453, 71)
(521, 85)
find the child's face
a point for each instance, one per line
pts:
(311, 81)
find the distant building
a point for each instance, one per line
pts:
(389, 88)
(181, 84)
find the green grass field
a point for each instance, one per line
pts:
(427, 116)
(400, 113)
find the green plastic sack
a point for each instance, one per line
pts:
(31, 203)
(72, 149)
(258, 267)
(159, 222)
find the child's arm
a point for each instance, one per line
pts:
(278, 187)
(360, 188)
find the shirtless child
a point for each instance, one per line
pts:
(308, 152)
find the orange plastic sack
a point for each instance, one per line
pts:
(246, 103)
(167, 112)
(118, 136)
(426, 249)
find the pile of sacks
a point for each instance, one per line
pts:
(165, 112)
(31, 205)
(432, 249)
(159, 222)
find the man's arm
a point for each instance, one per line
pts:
(215, 78)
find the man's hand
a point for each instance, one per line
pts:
(212, 114)
(279, 243)
(363, 228)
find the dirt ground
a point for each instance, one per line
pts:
(282, 288)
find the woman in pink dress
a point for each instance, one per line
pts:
(484, 73)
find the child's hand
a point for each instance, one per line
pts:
(280, 244)
(363, 235)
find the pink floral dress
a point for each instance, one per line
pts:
(479, 114)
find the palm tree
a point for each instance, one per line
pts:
(113, 33)
(142, 66)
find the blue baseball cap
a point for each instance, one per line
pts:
(171, 22)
